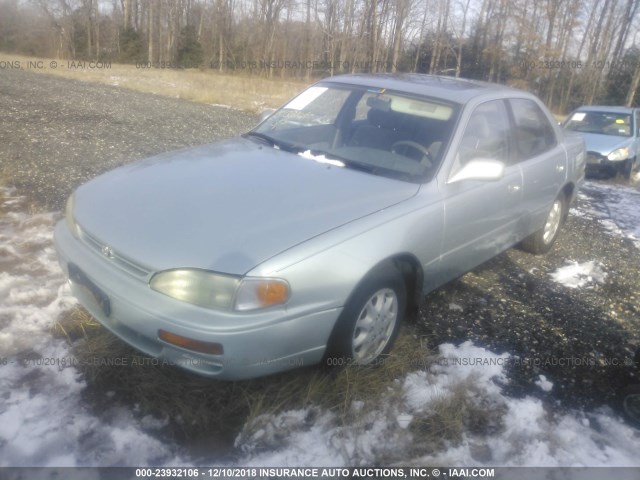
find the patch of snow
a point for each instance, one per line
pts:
(616, 207)
(320, 158)
(531, 435)
(544, 384)
(43, 418)
(404, 419)
(455, 307)
(576, 275)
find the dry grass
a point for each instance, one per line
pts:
(206, 412)
(464, 410)
(206, 415)
(241, 91)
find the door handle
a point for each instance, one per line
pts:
(513, 188)
(560, 168)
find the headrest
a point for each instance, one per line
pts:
(382, 119)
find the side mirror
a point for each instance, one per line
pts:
(265, 114)
(479, 169)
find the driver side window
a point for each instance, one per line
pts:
(486, 134)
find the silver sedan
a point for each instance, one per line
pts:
(309, 238)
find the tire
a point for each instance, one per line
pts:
(629, 403)
(370, 321)
(541, 241)
(627, 167)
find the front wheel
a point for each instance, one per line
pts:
(627, 168)
(542, 240)
(370, 321)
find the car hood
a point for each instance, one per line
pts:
(604, 144)
(225, 207)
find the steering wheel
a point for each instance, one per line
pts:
(426, 159)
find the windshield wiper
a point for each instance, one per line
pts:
(262, 136)
(274, 142)
(364, 167)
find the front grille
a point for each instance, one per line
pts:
(114, 257)
(593, 157)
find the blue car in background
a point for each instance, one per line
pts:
(612, 136)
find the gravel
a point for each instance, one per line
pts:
(57, 133)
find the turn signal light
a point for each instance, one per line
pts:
(191, 344)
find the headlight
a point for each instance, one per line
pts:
(214, 290)
(619, 154)
(68, 214)
(206, 289)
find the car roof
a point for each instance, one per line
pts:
(605, 108)
(457, 90)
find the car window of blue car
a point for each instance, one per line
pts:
(604, 123)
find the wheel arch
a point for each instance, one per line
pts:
(411, 270)
(408, 267)
(412, 273)
(569, 190)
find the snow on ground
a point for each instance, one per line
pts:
(616, 207)
(531, 434)
(576, 275)
(44, 421)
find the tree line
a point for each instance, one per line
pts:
(569, 52)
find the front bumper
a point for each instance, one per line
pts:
(599, 163)
(255, 343)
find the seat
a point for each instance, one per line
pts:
(379, 131)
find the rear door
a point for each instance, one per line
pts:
(542, 159)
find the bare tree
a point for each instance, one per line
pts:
(463, 27)
(440, 35)
(401, 11)
(633, 89)
(496, 40)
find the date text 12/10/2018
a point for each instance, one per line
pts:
(304, 472)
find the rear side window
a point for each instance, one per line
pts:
(638, 122)
(533, 134)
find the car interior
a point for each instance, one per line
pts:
(385, 131)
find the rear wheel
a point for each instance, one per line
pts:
(370, 321)
(542, 240)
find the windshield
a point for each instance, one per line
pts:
(374, 130)
(605, 123)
